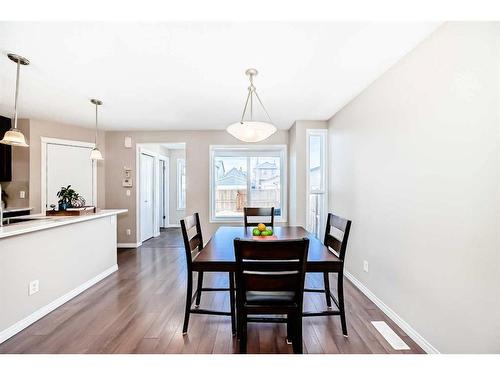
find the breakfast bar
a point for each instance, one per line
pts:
(46, 261)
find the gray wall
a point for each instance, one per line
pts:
(415, 165)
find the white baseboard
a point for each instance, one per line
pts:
(128, 245)
(40, 313)
(173, 226)
(409, 330)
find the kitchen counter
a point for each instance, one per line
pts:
(40, 222)
(47, 261)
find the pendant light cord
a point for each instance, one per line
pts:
(17, 93)
(251, 91)
(95, 141)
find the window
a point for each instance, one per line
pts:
(316, 204)
(181, 184)
(247, 176)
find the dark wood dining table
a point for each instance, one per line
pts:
(218, 254)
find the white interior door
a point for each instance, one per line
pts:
(147, 196)
(69, 165)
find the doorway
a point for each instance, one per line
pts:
(161, 194)
(164, 189)
(147, 179)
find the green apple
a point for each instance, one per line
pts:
(256, 232)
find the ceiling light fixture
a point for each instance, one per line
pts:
(14, 137)
(252, 131)
(96, 154)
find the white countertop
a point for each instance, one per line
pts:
(42, 222)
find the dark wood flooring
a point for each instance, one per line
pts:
(139, 309)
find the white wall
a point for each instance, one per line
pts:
(415, 165)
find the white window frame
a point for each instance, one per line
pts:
(249, 150)
(324, 175)
(181, 163)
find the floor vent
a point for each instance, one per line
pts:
(390, 336)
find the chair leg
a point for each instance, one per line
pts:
(297, 336)
(200, 285)
(189, 301)
(326, 279)
(289, 328)
(243, 334)
(340, 290)
(232, 302)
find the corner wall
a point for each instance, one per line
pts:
(414, 162)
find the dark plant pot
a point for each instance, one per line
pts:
(63, 206)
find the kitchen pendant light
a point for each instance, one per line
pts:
(95, 153)
(14, 137)
(252, 131)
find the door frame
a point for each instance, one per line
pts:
(166, 178)
(44, 141)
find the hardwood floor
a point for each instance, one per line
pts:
(139, 309)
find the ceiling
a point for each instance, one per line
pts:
(166, 76)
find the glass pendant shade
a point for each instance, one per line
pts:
(95, 154)
(14, 137)
(251, 131)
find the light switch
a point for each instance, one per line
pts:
(128, 193)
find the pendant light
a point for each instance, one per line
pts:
(14, 137)
(96, 154)
(252, 131)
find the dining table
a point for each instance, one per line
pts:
(218, 254)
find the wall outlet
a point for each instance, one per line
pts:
(365, 265)
(22, 194)
(34, 287)
(128, 232)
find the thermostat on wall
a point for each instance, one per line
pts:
(127, 182)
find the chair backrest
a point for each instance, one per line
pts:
(194, 244)
(271, 266)
(267, 212)
(337, 241)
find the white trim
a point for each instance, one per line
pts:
(40, 313)
(44, 141)
(173, 226)
(128, 245)
(409, 330)
(281, 148)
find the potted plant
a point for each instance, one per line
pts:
(67, 197)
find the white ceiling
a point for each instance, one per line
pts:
(162, 76)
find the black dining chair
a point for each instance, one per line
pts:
(270, 281)
(337, 243)
(193, 246)
(267, 212)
